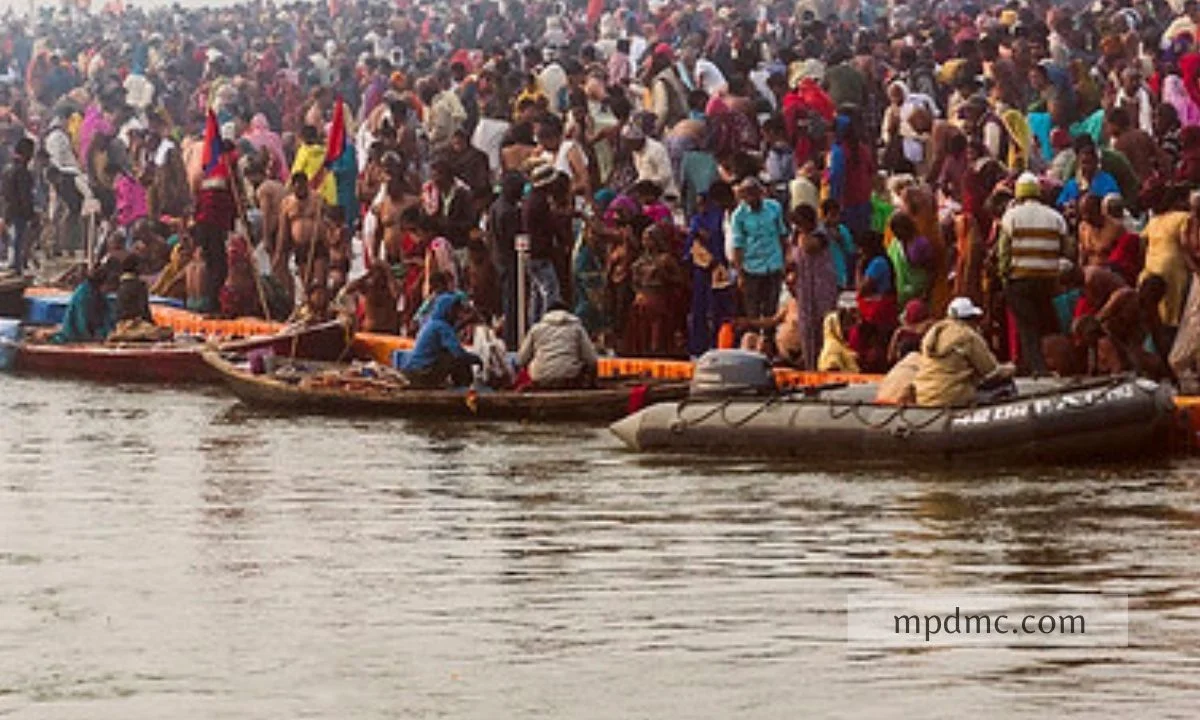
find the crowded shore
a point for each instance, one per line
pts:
(943, 198)
(598, 359)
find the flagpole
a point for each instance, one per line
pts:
(240, 207)
(214, 144)
(234, 181)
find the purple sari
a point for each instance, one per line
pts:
(816, 294)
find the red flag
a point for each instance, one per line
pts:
(212, 143)
(335, 144)
(595, 8)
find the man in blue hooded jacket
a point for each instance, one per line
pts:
(437, 354)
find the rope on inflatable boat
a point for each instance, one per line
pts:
(838, 410)
(910, 426)
(855, 409)
(681, 423)
(948, 413)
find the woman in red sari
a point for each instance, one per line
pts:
(658, 283)
(877, 306)
(974, 223)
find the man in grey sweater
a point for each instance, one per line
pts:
(558, 352)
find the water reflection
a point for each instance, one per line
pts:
(175, 550)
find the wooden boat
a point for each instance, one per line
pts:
(166, 312)
(1048, 421)
(339, 390)
(178, 361)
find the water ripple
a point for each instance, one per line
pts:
(174, 553)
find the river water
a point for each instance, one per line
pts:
(171, 554)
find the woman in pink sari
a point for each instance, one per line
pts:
(260, 135)
(131, 200)
(94, 123)
(1181, 90)
(439, 258)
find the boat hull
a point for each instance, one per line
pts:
(1124, 418)
(170, 363)
(604, 404)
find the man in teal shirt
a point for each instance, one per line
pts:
(759, 234)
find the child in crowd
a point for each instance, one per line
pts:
(912, 257)
(841, 243)
(195, 282)
(316, 308)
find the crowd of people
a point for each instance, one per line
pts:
(822, 180)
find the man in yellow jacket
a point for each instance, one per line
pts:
(310, 160)
(956, 363)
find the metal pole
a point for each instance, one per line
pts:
(522, 245)
(89, 249)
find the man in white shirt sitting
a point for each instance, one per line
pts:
(651, 160)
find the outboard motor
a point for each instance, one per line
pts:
(725, 373)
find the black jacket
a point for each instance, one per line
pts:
(540, 223)
(456, 220)
(504, 223)
(16, 193)
(133, 299)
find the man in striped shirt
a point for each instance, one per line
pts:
(1033, 250)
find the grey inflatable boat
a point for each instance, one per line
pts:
(732, 411)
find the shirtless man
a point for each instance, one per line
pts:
(337, 239)
(519, 143)
(373, 177)
(567, 156)
(268, 196)
(388, 243)
(380, 294)
(301, 231)
(195, 282)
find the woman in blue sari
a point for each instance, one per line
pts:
(587, 267)
(89, 318)
(712, 286)
(345, 175)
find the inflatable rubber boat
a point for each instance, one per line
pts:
(732, 409)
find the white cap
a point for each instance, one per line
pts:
(1027, 186)
(961, 308)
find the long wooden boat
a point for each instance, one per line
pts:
(380, 348)
(313, 388)
(164, 312)
(179, 361)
